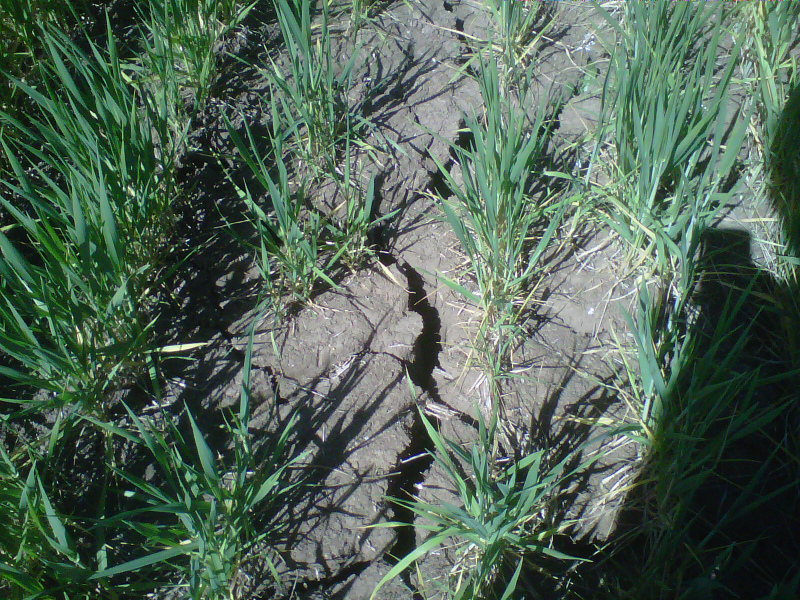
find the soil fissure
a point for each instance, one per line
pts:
(416, 459)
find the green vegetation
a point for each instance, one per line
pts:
(713, 370)
(509, 515)
(181, 39)
(93, 128)
(88, 183)
(210, 513)
(313, 103)
(661, 137)
(20, 30)
(495, 216)
(518, 30)
(88, 198)
(291, 241)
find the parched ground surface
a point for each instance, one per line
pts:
(357, 363)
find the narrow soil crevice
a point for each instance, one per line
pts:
(429, 343)
(438, 185)
(416, 459)
(465, 140)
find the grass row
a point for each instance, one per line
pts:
(667, 149)
(88, 189)
(90, 140)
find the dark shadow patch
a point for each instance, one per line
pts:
(723, 468)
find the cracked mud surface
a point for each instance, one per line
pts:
(342, 362)
(360, 363)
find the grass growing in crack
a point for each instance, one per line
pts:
(89, 200)
(507, 517)
(495, 217)
(313, 103)
(667, 173)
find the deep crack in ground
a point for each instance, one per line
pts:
(416, 459)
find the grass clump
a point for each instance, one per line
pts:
(89, 197)
(301, 249)
(290, 231)
(519, 30)
(667, 173)
(218, 507)
(495, 214)
(507, 521)
(314, 139)
(181, 41)
(354, 217)
(312, 103)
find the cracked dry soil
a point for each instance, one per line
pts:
(342, 362)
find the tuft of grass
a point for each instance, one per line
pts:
(507, 518)
(666, 169)
(354, 218)
(89, 197)
(214, 506)
(313, 103)
(291, 233)
(519, 30)
(495, 213)
(181, 40)
(302, 247)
